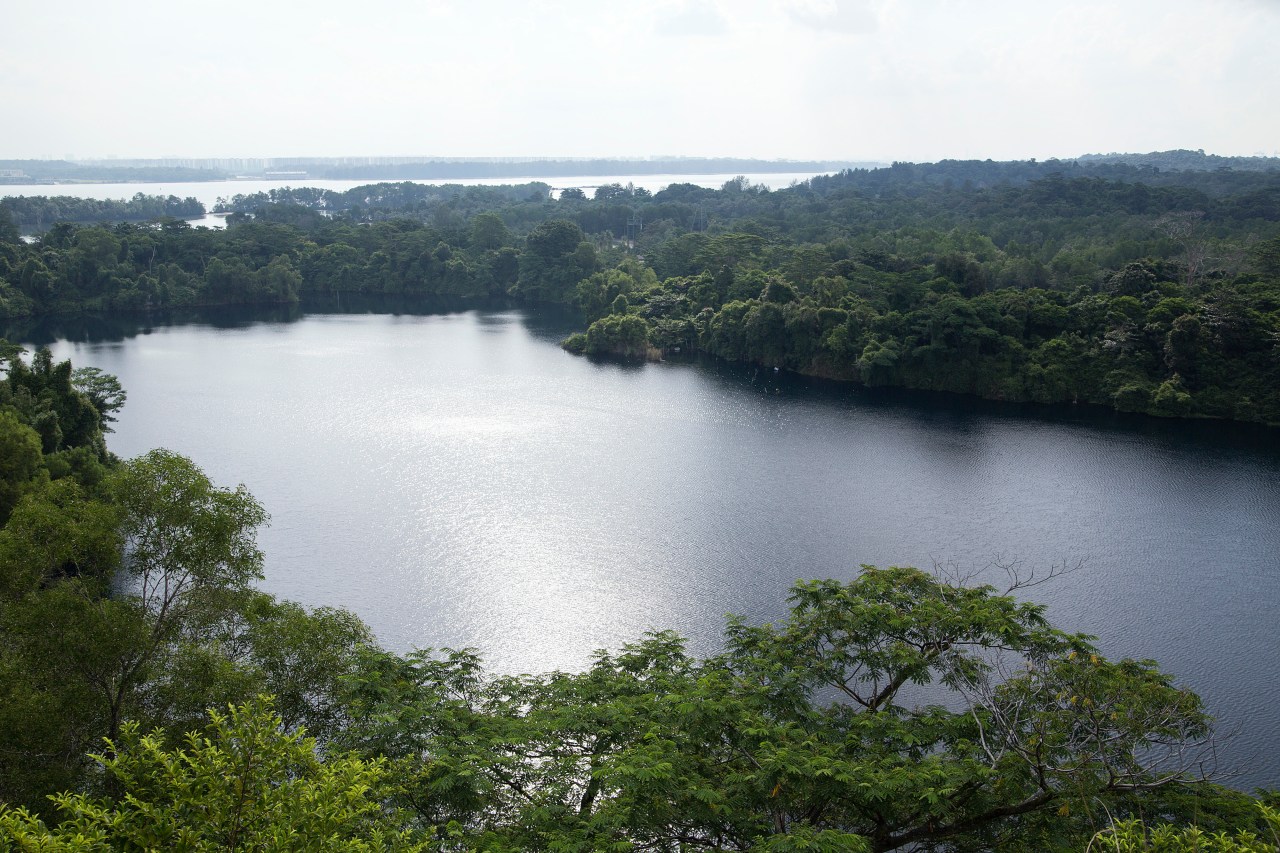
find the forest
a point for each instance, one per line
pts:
(152, 698)
(1092, 281)
(34, 213)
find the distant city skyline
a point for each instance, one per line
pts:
(848, 80)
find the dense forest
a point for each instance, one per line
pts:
(1093, 281)
(152, 699)
(35, 213)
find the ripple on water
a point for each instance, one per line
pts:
(458, 480)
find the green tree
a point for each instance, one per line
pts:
(618, 334)
(555, 259)
(45, 397)
(58, 552)
(103, 392)
(1133, 836)
(8, 228)
(1170, 399)
(489, 232)
(229, 282)
(57, 532)
(301, 658)
(20, 461)
(190, 555)
(598, 294)
(278, 281)
(799, 736)
(241, 785)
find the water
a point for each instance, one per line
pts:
(209, 192)
(456, 479)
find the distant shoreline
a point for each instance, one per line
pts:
(63, 172)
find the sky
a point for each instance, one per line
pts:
(877, 80)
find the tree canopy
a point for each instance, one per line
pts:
(1094, 281)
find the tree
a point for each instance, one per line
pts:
(45, 397)
(489, 232)
(8, 228)
(624, 335)
(1186, 229)
(554, 239)
(1266, 257)
(102, 390)
(20, 461)
(1034, 719)
(1133, 836)
(278, 281)
(300, 657)
(555, 259)
(86, 646)
(190, 554)
(598, 294)
(611, 192)
(242, 785)
(57, 532)
(183, 535)
(57, 554)
(799, 734)
(229, 282)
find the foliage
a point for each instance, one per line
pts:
(1132, 836)
(621, 335)
(184, 536)
(36, 212)
(44, 396)
(797, 735)
(132, 599)
(242, 785)
(103, 391)
(1093, 281)
(555, 259)
(20, 461)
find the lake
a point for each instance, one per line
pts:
(458, 480)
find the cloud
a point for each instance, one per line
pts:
(693, 18)
(834, 16)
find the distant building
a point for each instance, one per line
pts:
(12, 173)
(283, 175)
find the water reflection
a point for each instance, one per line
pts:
(457, 479)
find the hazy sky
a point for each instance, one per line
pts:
(849, 79)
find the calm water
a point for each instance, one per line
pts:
(456, 479)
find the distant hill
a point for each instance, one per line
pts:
(1183, 160)
(980, 172)
(51, 171)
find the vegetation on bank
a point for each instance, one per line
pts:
(1095, 281)
(35, 213)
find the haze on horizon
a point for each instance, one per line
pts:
(879, 80)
